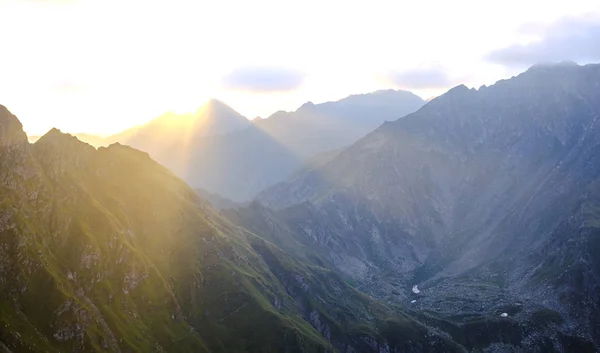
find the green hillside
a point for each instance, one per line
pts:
(105, 250)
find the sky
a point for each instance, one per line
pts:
(102, 66)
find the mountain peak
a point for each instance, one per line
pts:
(307, 106)
(11, 130)
(550, 71)
(124, 150)
(59, 153)
(55, 132)
(459, 88)
(213, 117)
(383, 96)
(458, 91)
(55, 137)
(390, 92)
(215, 108)
(214, 103)
(216, 117)
(560, 64)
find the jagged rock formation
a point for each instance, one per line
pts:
(486, 199)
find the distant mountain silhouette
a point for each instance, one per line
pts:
(222, 152)
(170, 137)
(171, 129)
(214, 146)
(213, 118)
(315, 128)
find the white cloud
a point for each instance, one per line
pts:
(576, 39)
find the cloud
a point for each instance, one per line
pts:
(422, 78)
(264, 79)
(573, 39)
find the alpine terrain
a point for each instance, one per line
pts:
(470, 225)
(480, 209)
(105, 250)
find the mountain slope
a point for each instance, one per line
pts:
(213, 118)
(105, 250)
(316, 128)
(170, 137)
(214, 147)
(273, 148)
(483, 198)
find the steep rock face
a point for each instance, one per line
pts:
(490, 187)
(105, 250)
(11, 130)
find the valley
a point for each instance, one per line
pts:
(469, 224)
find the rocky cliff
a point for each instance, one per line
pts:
(484, 199)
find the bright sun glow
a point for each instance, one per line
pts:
(104, 66)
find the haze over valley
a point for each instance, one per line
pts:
(351, 215)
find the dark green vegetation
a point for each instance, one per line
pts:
(105, 250)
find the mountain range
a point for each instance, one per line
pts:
(213, 147)
(469, 225)
(486, 199)
(106, 250)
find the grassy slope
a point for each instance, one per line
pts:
(105, 250)
(127, 260)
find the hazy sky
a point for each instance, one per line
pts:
(102, 66)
